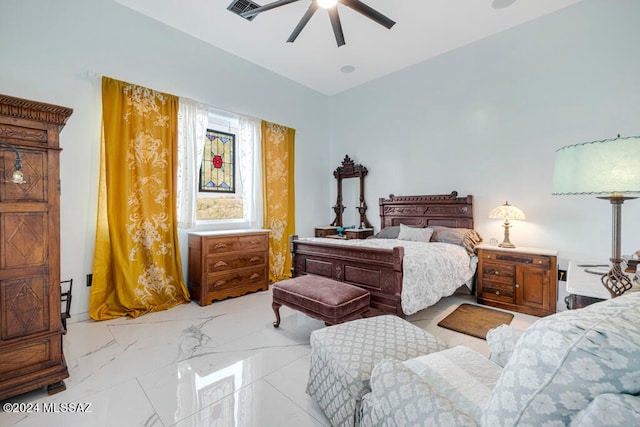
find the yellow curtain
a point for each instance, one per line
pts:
(136, 267)
(278, 196)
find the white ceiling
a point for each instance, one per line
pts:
(424, 29)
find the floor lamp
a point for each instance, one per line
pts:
(611, 168)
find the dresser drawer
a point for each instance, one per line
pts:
(520, 258)
(219, 263)
(221, 245)
(501, 273)
(245, 278)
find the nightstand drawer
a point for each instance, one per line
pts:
(520, 258)
(497, 291)
(499, 273)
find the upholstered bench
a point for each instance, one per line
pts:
(321, 298)
(343, 356)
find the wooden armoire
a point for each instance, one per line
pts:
(31, 330)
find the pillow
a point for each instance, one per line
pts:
(464, 237)
(415, 234)
(562, 362)
(388, 233)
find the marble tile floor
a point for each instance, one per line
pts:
(221, 365)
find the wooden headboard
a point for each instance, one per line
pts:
(447, 210)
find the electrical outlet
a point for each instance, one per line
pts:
(89, 279)
(562, 275)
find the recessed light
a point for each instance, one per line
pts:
(348, 69)
(501, 4)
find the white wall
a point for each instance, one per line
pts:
(486, 120)
(56, 51)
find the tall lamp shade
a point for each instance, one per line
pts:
(609, 168)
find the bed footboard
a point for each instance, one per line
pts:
(379, 271)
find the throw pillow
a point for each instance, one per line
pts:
(415, 234)
(389, 232)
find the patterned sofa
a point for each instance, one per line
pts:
(577, 368)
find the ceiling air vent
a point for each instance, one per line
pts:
(241, 6)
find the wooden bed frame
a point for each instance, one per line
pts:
(380, 270)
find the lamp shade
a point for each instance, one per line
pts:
(506, 211)
(598, 167)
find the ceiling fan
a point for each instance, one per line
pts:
(332, 9)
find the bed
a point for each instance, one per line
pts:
(387, 267)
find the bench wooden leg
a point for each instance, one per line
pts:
(276, 309)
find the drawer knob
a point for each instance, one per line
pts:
(497, 292)
(497, 273)
(517, 286)
(539, 261)
(219, 283)
(220, 264)
(221, 245)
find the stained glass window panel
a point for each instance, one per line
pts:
(218, 169)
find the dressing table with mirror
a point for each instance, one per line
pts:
(350, 221)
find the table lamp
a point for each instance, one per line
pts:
(506, 212)
(610, 167)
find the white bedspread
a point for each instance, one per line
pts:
(430, 270)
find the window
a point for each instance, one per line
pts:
(218, 168)
(228, 171)
(219, 173)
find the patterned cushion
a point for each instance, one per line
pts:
(564, 361)
(502, 341)
(343, 356)
(610, 410)
(402, 398)
(464, 376)
(352, 349)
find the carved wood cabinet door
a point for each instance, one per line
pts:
(30, 325)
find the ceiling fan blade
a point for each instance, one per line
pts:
(337, 26)
(254, 12)
(369, 12)
(303, 21)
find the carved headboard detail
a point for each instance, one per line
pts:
(447, 210)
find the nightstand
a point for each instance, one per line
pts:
(349, 233)
(358, 233)
(325, 231)
(521, 279)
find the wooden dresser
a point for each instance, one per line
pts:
(226, 264)
(520, 279)
(30, 324)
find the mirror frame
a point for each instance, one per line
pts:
(349, 169)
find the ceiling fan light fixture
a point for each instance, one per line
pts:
(327, 4)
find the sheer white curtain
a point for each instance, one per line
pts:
(192, 127)
(250, 166)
